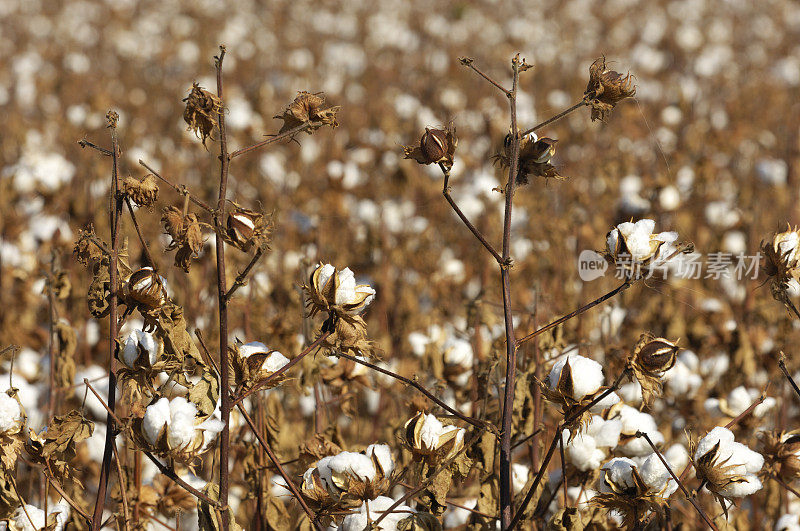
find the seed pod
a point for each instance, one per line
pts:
(145, 287)
(202, 112)
(242, 226)
(655, 354)
(436, 146)
(144, 192)
(606, 88)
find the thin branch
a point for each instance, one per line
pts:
(556, 117)
(782, 365)
(421, 389)
(237, 399)
(507, 404)
(678, 481)
(147, 254)
(241, 278)
(469, 63)
(275, 461)
(122, 486)
(276, 138)
(115, 212)
(619, 289)
(481, 238)
(180, 189)
(24, 505)
(48, 474)
(85, 143)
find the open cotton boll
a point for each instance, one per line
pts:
(372, 510)
(677, 456)
(11, 417)
(519, 476)
(605, 432)
(254, 347)
(606, 402)
(619, 470)
(656, 476)
(732, 460)
(788, 522)
(274, 362)
(587, 375)
(181, 429)
(23, 517)
(583, 452)
(383, 454)
(353, 464)
(631, 393)
(458, 352)
(634, 420)
(155, 417)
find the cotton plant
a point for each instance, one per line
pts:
(371, 510)
(349, 477)
(635, 491)
(636, 246)
(573, 383)
(175, 428)
(254, 362)
(728, 468)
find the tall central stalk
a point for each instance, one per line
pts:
(219, 216)
(511, 342)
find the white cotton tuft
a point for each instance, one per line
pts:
(620, 471)
(371, 510)
(383, 454)
(274, 362)
(156, 417)
(353, 464)
(11, 416)
(587, 375)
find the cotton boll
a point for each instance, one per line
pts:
(457, 516)
(274, 362)
(788, 522)
(155, 418)
(631, 393)
(605, 432)
(750, 485)
(353, 464)
(23, 517)
(619, 470)
(458, 352)
(371, 511)
(656, 475)
(11, 416)
(519, 476)
(587, 375)
(677, 456)
(607, 401)
(180, 429)
(383, 454)
(582, 451)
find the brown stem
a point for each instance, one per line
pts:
(147, 254)
(123, 487)
(678, 481)
(275, 461)
(85, 143)
(180, 189)
(555, 118)
(53, 345)
(115, 212)
(782, 365)
(619, 289)
(276, 138)
(420, 388)
(481, 238)
(48, 474)
(236, 400)
(10, 476)
(466, 61)
(241, 278)
(507, 405)
(219, 216)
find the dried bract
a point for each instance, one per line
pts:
(142, 193)
(145, 289)
(534, 157)
(308, 108)
(186, 233)
(202, 112)
(651, 358)
(781, 452)
(429, 439)
(436, 146)
(606, 88)
(782, 263)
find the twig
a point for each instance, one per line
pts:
(24, 505)
(689, 497)
(236, 400)
(123, 487)
(556, 117)
(421, 389)
(48, 474)
(147, 254)
(481, 238)
(242, 277)
(115, 211)
(469, 63)
(85, 143)
(275, 138)
(785, 485)
(507, 405)
(275, 461)
(219, 215)
(619, 289)
(782, 365)
(180, 189)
